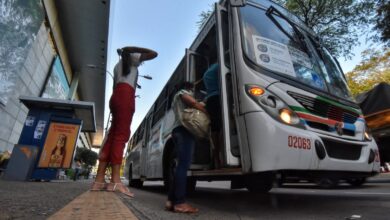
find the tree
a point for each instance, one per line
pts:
(204, 15)
(382, 20)
(338, 22)
(374, 68)
(86, 156)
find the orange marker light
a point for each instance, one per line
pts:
(256, 91)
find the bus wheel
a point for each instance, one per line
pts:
(356, 181)
(169, 169)
(136, 183)
(281, 180)
(259, 183)
(191, 185)
(328, 183)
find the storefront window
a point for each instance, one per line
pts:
(57, 86)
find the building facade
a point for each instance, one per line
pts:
(45, 50)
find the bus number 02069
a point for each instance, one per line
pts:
(299, 142)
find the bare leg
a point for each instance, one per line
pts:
(115, 176)
(100, 183)
(101, 172)
(116, 183)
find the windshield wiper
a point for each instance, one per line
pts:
(302, 42)
(321, 50)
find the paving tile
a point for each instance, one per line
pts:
(95, 205)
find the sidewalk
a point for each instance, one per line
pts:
(59, 199)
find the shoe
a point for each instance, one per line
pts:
(185, 208)
(98, 186)
(119, 187)
(168, 206)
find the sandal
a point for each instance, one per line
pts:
(98, 186)
(185, 208)
(119, 187)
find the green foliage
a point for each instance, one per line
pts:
(339, 23)
(70, 173)
(382, 20)
(373, 69)
(204, 15)
(86, 156)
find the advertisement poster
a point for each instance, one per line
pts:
(273, 55)
(59, 145)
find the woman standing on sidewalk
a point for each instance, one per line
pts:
(184, 145)
(122, 107)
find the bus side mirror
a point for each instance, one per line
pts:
(237, 3)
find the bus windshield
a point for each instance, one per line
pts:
(273, 42)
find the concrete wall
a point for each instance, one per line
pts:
(30, 81)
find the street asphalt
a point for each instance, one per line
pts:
(39, 200)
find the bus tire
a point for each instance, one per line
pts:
(281, 180)
(356, 181)
(191, 185)
(169, 172)
(170, 163)
(136, 183)
(328, 183)
(259, 183)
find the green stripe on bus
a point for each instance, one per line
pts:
(300, 109)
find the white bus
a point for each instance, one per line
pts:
(286, 107)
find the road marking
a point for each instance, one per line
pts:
(368, 193)
(327, 192)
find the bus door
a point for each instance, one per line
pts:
(231, 151)
(196, 65)
(145, 148)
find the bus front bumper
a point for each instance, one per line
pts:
(275, 146)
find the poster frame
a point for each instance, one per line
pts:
(67, 121)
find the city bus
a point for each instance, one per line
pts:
(285, 105)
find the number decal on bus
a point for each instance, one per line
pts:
(299, 142)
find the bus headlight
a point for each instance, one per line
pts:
(367, 134)
(273, 105)
(288, 116)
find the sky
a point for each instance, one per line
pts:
(168, 27)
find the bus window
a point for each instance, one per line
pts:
(160, 105)
(225, 37)
(204, 56)
(200, 66)
(177, 77)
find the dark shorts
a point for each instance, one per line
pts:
(213, 107)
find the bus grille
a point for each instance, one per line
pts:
(344, 151)
(324, 109)
(328, 128)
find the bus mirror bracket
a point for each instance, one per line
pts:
(237, 3)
